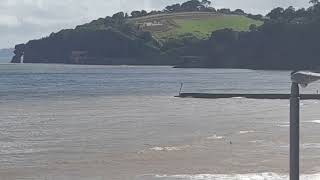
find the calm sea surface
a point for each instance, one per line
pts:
(64, 122)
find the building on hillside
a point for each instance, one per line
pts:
(78, 57)
(149, 24)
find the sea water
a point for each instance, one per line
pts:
(69, 122)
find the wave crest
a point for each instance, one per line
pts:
(260, 176)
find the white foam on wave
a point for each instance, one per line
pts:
(283, 125)
(257, 141)
(172, 148)
(7, 148)
(260, 176)
(311, 146)
(215, 137)
(237, 98)
(305, 146)
(315, 121)
(246, 132)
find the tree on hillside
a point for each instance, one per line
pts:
(118, 16)
(173, 8)
(154, 12)
(211, 9)
(239, 11)
(315, 9)
(206, 3)
(301, 12)
(276, 13)
(314, 2)
(253, 27)
(192, 5)
(224, 11)
(258, 17)
(144, 13)
(135, 14)
(289, 13)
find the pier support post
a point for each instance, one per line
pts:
(294, 132)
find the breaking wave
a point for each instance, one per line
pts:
(316, 121)
(261, 176)
(172, 148)
(215, 137)
(246, 132)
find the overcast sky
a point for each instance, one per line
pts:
(22, 20)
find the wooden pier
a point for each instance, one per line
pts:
(248, 96)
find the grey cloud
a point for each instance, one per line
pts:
(22, 20)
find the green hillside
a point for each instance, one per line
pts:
(149, 38)
(199, 24)
(204, 28)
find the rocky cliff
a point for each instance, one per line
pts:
(18, 53)
(90, 47)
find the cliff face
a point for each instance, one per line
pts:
(18, 53)
(105, 47)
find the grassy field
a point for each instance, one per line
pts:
(204, 28)
(200, 25)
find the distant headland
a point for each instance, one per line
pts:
(5, 55)
(189, 35)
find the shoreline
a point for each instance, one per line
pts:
(248, 96)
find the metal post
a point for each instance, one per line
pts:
(180, 89)
(294, 132)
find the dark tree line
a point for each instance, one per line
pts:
(289, 39)
(188, 6)
(192, 5)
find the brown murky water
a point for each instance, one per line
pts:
(102, 122)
